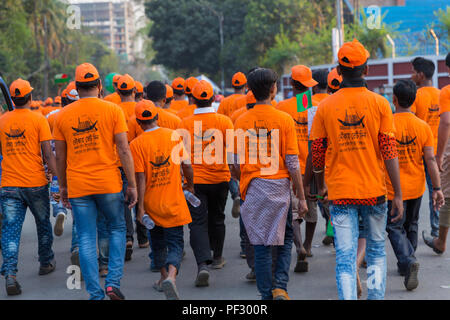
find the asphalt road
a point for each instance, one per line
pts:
(228, 283)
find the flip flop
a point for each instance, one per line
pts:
(170, 290)
(429, 242)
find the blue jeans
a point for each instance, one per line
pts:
(234, 189)
(57, 208)
(86, 211)
(103, 241)
(263, 263)
(434, 214)
(167, 246)
(345, 219)
(15, 202)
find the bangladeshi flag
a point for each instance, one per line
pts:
(304, 101)
(62, 78)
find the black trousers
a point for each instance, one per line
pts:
(207, 229)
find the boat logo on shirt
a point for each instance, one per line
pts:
(352, 121)
(260, 131)
(406, 140)
(301, 121)
(15, 133)
(160, 161)
(85, 126)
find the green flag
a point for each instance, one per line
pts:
(304, 101)
(61, 78)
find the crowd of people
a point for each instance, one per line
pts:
(155, 159)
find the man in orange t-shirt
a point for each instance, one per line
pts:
(179, 97)
(86, 135)
(188, 110)
(357, 124)
(204, 135)
(114, 97)
(24, 134)
(414, 145)
(239, 83)
(161, 192)
(426, 107)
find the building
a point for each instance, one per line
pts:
(114, 22)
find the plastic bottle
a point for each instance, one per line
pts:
(148, 222)
(192, 199)
(54, 188)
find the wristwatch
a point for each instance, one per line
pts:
(437, 189)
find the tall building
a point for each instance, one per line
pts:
(114, 21)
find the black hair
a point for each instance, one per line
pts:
(333, 90)
(87, 85)
(321, 76)
(64, 101)
(178, 92)
(352, 73)
(125, 93)
(261, 81)
(139, 95)
(405, 91)
(251, 70)
(147, 122)
(447, 60)
(203, 103)
(156, 91)
(425, 66)
(239, 87)
(250, 106)
(169, 100)
(298, 86)
(20, 102)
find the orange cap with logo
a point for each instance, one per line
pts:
(353, 54)
(139, 87)
(64, 93)
(125, 83)
(48, 102)
(334, 79)
(20, 88)
(178, 84)
(189, 84)
(86, 72)
(58, 99)
(146, 110)
(203, 90)
(169, 92)
(239, 79)
(116, 78)
(303, 74)
(72, 92)
(250, 97)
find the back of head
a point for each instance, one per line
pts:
(126, 85)
(405, 92)
(156, 91)
(20, 91)
(321, 76)
(203, 94)
(261, 81)
(425, 66)
(353, 58)
(86, 77)
(239, 81)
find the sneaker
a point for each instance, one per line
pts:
(59, 224)
(236, 209)
(144, 245)
(243, 255)
(411, 279)
(43, 270)
(327, 240)
(202, 277)
(218, 263)
(114, 293)
(280, 294)
(103, 272)
(129, 251)
(251, 276)
(12, 286)
(170, 290)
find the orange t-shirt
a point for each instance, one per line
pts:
(22, 132)
(351, 120)
(178, 105)
(164, 198)
(238, 113)
(444, 100)
(426, 107)
(241, 102)
(88, 126)
(128, 108)
(165, 120)
(45, 111)
(51, 118)
(318, 97)
(207, 136)
(412, 135)
(226, 106)
(267, 121)
(171, 111)
(187, 111)
(301, 127)
(114, 98)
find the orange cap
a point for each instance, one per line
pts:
(139, 87)
(116, 78)
(146, 110)
(64, 93)
(178, 84)
(86, 72)
(333, 75)
(189, 84)
(203, 90)
(72, 92)
(20, 88)
(48, 102)
(58, 99)
(239, 79)
(353, 54)
(125, 83)
(303, 74)
(250, 97)
(169, 92)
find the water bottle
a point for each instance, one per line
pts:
(54, 188)
(192, 199)
(148, 222)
